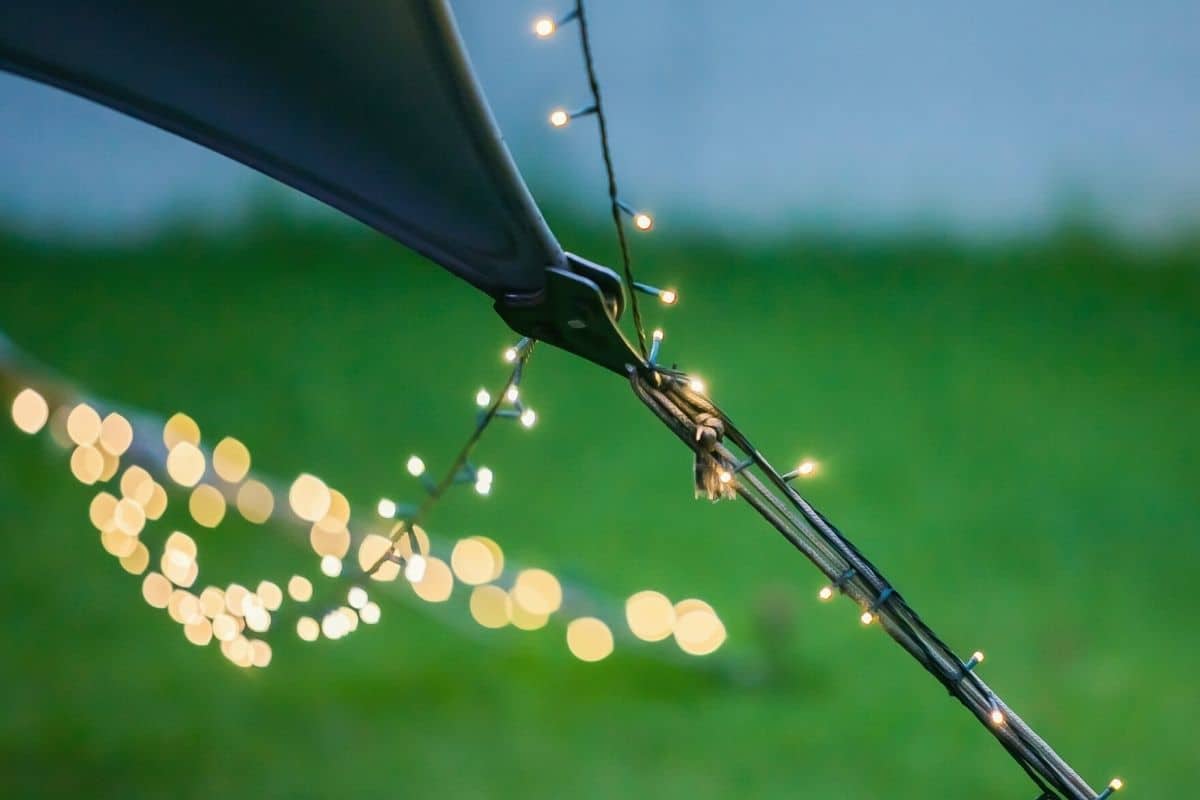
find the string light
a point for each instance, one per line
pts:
(414, 570)
(560, 117)
(826, 593)
(668, 297)
(1115, 785)
(528, 418)
(482, 398)
(805, 469)
(975, 660)
(867, 618)
(415, 466)
(545, 27)
(331, 566)
(386, 508)
(656, 340)
(30, 411)
(641, 220)
(696, 385)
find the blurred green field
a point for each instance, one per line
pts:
(1009, 430)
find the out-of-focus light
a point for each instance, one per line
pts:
(270, 594)
(370, 613)
(231, 460)
(698, 630)
(300, 588)
(867, 618)
(86, 464)
(483, 488)
(643, 221)
(185, 464)
(212, 601)
(559, 117)
(156, 590)
(30, 411)
(537, 591)
(544, 27)
(826, 593)
(357, 597)
(255, 502)
(650, 615)
(414, 569)
(437, 584)
(415, 466)
(309, 498)
(260, 653)
(116, 434)
(472, 562)
(512, 393)
(657, 335)
(386, 508)
(483, 398)
(696, 385)
(997, 716)
(484, 474)
(129, 517)
(308, 629)
(510, 355)
(83, 425)
(207, 506)
(490, 606)
(977, 657)
(101, 509)
(181, 428)
(806, 468)
(589, 639)
(669, 297)
(528, 418)
(726, 476)
(331, 566)
(136, 562)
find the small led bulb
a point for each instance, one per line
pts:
(696, 385)
(806, 468)
(669, 297)
(643, 221)
(416, 467)
(977, 656)
(528, 417)
(544, 27)
(867, 618)
(482, 398)
(483, 487)
(658, 334)
(1116, 784)
(726, 476)
(357, 597)
(387, 508)
(559, 118)
(826, 593)
(997, 717)
(510, 355)
(331, 566)
(414, 571)
(484, 475)
(512, 393)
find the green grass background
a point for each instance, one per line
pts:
(1008, 428)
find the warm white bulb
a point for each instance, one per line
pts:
(414, 571)
(997, 717)
(484, 475)
(544, 27)
(807, 467)
(512, 393)
(726, 476)
(331, 566)
(1116, 784)
(669, 297)
(416, 467)
(510, 355)
(482, 398)
(483, 487)
(643, 221)
(528, 417)
(867, 618)
(696, 385)
(559, 118)
(977, 657)
(658, 334)
(826, 592)
(387, 508)
(357, 597)
(369, 613)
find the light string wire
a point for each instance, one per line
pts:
(404, 528)
(615, 204)
(689, 414)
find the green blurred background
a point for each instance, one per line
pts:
(1008, 427)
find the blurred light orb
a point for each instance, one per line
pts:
(483, 488)
(212, 601)
(415, 466)
(386, 508)
(528, 418)
(308, 629)
(136, 562)
(300, 588)
(826, 593)
(116, 434)
(331, 566)
(30, 411)
(137, 485)
(260, 653)
(231, 460)
(357, 597)
(224, 627)
(482, 398)
(329, 542)
(484, 474)
(559, 117)
(490, 606)
(118, 544)
(309, 498)
(370, 613)
(589, 639)
(374, 553)
(83, 425)
(235, 599)
(807, 468)
(198, 632)
(129, 517)
(437, 584)
(544, 27)
(867, 618)
(668, 297)
(86, 464)
(525, 620)
(157, 504)
(207, 506)
(537, 591)
(698, 630)
(472, 562)
(270, 594)
(101, 510)
(185, 464)
(156, 590)
(650, 615)
(997, 716)
(414, 568)
(181, 428)
(696, 385)
(255, 502)
(510, 355)
(643, 221)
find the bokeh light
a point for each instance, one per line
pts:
(309, 498)
(490, 606)
(185, 464)
(589, 639)
(537, 591)
(207, 505)
(181, 428)
(436, 585)
(255, 502)
(30, 411)
(650, 615)
(231, 460)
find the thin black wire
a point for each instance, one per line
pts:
(613, 196)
